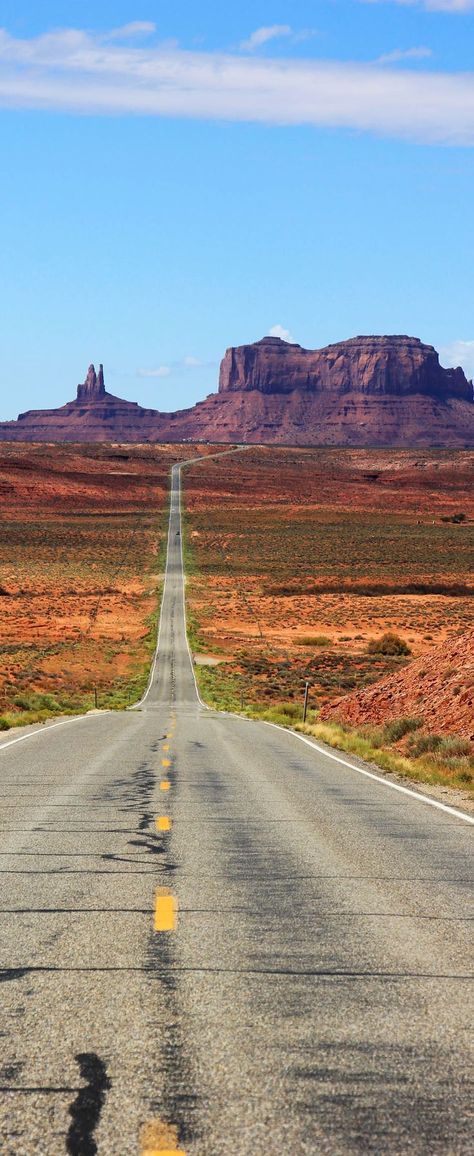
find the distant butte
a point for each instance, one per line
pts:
(384, 391)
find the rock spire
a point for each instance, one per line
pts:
(93, 387)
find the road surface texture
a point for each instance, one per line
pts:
(287, 969)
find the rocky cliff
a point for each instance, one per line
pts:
(375, 366)
(385, 391)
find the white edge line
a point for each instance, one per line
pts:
(151, 677)
(182, 465)
(42, 730)
(370, 774)
(183, 583)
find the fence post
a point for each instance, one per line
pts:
(306, 693)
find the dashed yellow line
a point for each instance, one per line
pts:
(166, 762)
(166, 746)
(156, 1135)
(165, 785)
(163, 823)
(166, 912)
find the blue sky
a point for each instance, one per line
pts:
(177, 178)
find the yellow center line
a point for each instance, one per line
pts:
(165, 785)
(166, 762)
(166, 912)
(163, 823)
(166, 746)
(156, 1135)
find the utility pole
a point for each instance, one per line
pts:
(306, 693)
(96, 698)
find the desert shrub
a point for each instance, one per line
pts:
(456, 518)
(399, 727)
(455, 747)
(375, 735)
(37, 702)
(315, 640)
(424, 744)
(4, 724)
(389, 643)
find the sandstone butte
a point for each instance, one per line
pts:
(368, 391)
(438, 688)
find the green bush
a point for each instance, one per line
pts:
(315, 640)
(38, 702)
(399, 727)
(388, 644)
(4, 724)
(424, 744)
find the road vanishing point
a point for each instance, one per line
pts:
(221, 940)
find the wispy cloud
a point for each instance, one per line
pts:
(264, 35)
(136, 29)
(280, 331)
(404, 54)
(459, 353)
(77, 72)
(161, 371)
(185, 363)
(454, 6)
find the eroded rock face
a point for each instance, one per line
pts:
(378, 366)
(94, 385)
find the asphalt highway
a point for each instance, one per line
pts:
(218, 940)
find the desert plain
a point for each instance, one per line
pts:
(299, 562)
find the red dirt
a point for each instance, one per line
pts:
(79, 576)
(344, 544)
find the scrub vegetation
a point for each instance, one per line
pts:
(336, 568)
(82, 551)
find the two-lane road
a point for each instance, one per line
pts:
(286, 969)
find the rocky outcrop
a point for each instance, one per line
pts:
(382, 391)
(93, 388)
(437, 688)
(374, 366)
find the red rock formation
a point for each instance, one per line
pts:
(383, 391)
(93, 388)
(437, 688)
(376, 366)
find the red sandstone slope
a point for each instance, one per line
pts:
(385, 391)
(438, 688)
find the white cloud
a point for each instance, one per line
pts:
(263, 35)
(279, 331)
(459, 353)
(187, 362)
(404, 54)
(74, 71)
(130, 31)
(162, 371)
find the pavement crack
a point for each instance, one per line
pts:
(87, 1107)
